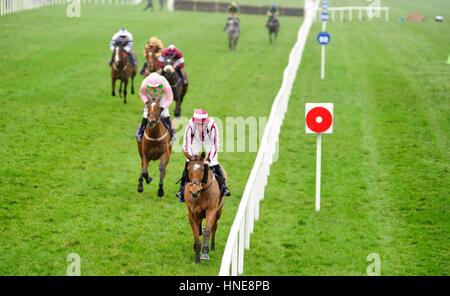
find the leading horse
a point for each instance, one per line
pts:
(204, 200)
(156, 144)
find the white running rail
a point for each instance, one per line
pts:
(371, 11)
(248, 211)
(12, 6)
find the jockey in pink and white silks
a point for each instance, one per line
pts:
(202, 133)
(156, 86)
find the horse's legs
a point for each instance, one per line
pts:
(125, 84)
(113, 82)
(195, 231)
(177, 111)
(214, 229)
(210, 220)
(144, 172)
(162, 173)
(120, 88)
(132, 84)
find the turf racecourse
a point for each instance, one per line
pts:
(68, 159)
(385, 168)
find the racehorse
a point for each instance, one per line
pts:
(152, 65)
(179, 89)
(123, 70)
(274, 26)
(204, 200)
(156, 144)
(232, 27)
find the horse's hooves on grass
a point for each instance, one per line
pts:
(197, 259)
(160, 192)
(204, 257)
(113, 94)
(132, 91)
(140, 188)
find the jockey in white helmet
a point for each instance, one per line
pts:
(201, 132)
(125, 38)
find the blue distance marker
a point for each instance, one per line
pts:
(323, 38)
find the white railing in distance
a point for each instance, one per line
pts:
(248, 211)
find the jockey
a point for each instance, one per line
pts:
(154, 46)
(233, 13)
(156, 86)
(173, 52)
(273, 11)
(233, 9)
(201, 131)
(126, 38)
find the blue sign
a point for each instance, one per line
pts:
(324, 16)
(323, 38)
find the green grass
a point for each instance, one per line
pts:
(68, 159)
(385, 168)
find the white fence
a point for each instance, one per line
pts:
(11, 6)
(370, 11)
(248, 211)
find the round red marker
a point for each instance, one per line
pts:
(319, 119)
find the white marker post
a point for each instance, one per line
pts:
(319, 120)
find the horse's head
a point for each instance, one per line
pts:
(120, 57)
(168, 68)
(153, 111)
(196, 171)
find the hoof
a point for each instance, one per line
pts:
(160, 192)
(140, 188)
(113, 94)
(197, 259)
(204, 257)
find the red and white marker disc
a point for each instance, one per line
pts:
(319, 118)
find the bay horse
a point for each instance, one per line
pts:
(179, 89)
(232, 28)
(156, 144)
(123, 70)
(273, 25)
(203, 200)
(152, 65)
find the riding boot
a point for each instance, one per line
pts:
(111, 60)
(143, 68)
(184, 180)
(141, 130)
(168, 124)
(221, 179)
(132, 59)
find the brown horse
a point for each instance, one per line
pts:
(203, 201)
(152, 65)
(178, 88)
(123, 70)
(156, 144)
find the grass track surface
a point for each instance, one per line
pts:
(385, 168)
(68, 159)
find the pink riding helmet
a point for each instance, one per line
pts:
(154, 80)
(200, 116)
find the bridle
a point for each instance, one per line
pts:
(203, 187)
(117, 60)
(155, 123)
